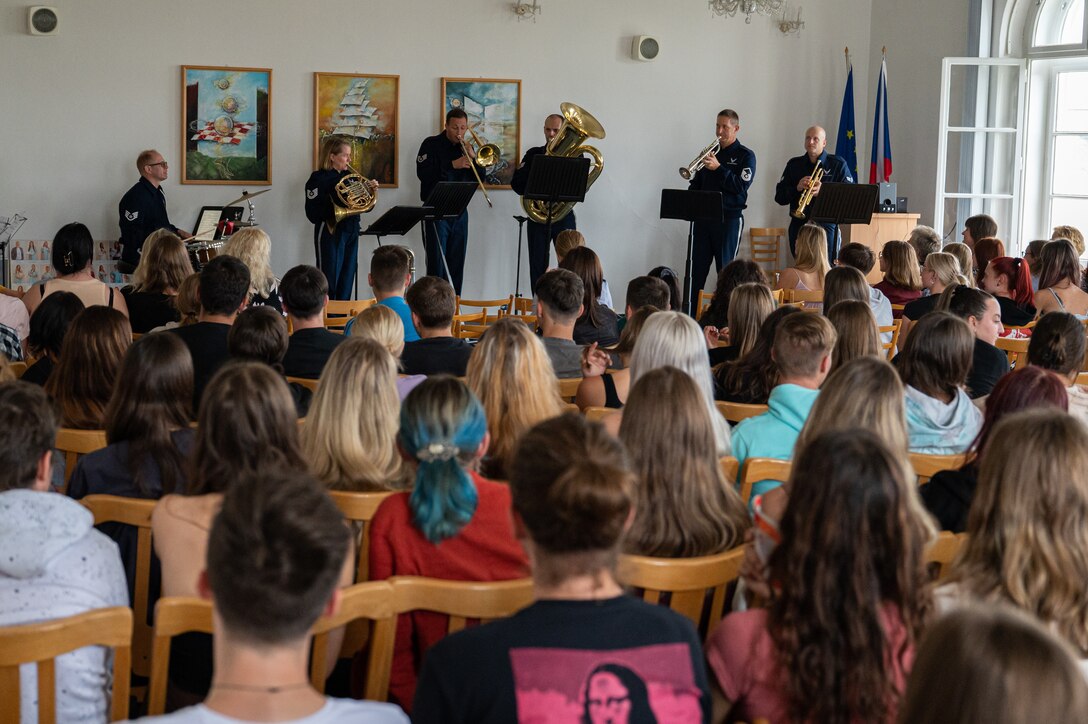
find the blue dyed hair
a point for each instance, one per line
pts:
(441, 427)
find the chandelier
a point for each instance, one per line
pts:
(729, 8)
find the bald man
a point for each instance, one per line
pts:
(540, 243)
(795, 179)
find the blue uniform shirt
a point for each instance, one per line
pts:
(141, 211)
(799, 167)
(732, 178)
(435, 163)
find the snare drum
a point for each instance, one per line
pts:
(203, 252)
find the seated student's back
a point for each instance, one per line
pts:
(305, 292)
(433, 302)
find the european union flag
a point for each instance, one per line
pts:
(846, 145)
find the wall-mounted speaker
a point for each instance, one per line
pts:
(644, 47)
(41, 20)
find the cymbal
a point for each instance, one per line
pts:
(247, 195)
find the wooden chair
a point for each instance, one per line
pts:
(17, 368)
(1082, 378)
(806, 296)
(461, 600)
(42, 642)
(898, 308)
(756, 470)
(730, 467)
(359, 508)
(568, 388)
(522, 306)
(779, 296)
(339, 312)
(689, 581)
(737, 411)
(137, 513)
(1014, 348)
(501, 307)
(926, 466)
(74, 443)
(941, 552)
(765, 244)
(703, 302)
(596, 414)
(472, 320)
(305, 382)
(894, 328)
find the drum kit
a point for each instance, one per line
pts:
(202, 251)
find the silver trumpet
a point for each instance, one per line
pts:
(697, 163)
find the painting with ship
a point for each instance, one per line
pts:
(362, 109)
(226, 125)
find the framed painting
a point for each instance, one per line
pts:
(494, 113)
(226, 123)
(364, 109)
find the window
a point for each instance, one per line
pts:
(1059, 25)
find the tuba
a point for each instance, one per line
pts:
(578, 125)
(351, 196)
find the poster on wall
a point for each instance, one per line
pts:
(493, 107)
(226, 125)
(30, 262)
(364, 110)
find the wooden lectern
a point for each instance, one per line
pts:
(883, 228)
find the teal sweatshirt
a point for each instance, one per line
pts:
(773, 434)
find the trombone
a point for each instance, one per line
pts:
(806, 197)
(487, 155)
(699, 161)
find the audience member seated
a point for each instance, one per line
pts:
(684, 507)
(223, 290)
(139, 274)
(510, 374)
(73, 252)
(983, 316)
(863, 259)
(811, 264)
(925, 241)
(565, 242)
(453, 524)
(949, 493)
(90, 360)
(11, 349)
(601, 387)
(1009, 280)
(646, 291)
(993, 665)
(940, 271)
(14, 315)
(259, 334)
(349, 438)
(966, 259)
(986, 250)
(433, 302)
(902, 283)
(246, 427)
(55, 564)
(672, 280)
(390, 274)
(151, 301)
(305, 292)
(802, 353)
(596, 322)
(584, 648)
(254, 248)
(732, 275)
(752, 303)
(1031, 256)
(383, 325)
(850, 594)
(933, 365)
(749, 380)
(1058, 344)
(1071, 234)
(845, 282)
(558, 305)
(978, 227)
(275, 553)
(1025, 534)
(1059, 277)
(856, 332)
(187, 302)
(48, 325)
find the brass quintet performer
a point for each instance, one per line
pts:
(336, 237)
(143, 209)
(804, 174)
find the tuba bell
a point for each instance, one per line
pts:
(578, 125)
(351, 196)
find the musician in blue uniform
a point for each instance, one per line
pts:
(442, 158)
(729, 171)
(143, 209)
(795, 179)
(337, 251)
(539, 242)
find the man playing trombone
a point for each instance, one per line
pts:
(811, 169)
(443, 158)
(730, 170)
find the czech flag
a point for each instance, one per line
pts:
(846, 145)
(882, 145)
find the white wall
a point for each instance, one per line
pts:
(78, 107)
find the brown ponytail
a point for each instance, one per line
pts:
(1057, 343)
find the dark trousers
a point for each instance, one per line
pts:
(452, 238)
(540, 245)
(339, 259)
(832, 239)
(713, 241)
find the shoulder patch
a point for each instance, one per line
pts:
(746, 174)
(132, 215)
(849, 179)
(311, 193)
(421, 158)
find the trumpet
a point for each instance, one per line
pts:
(806, 197)
(486, 156)
(699, 161)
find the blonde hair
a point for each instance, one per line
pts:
(902, 264)
(188, 300)
(350, 433)
(1027, 532)
(139, 274)
(254, 248)
(966, 258)
(946, 267)
(858, 334)
(1072, 234)
(749, 305)
(168, 265)
(381, 324)
(568, 240)
(512, 375)
(812, 250)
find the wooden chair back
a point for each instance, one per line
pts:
(942, 551)
(493, 309)
(174, 615)
(926, 466)
(765, 243)
(703, 302)
(137, 513)
(1016, 348)
(42, 642)
(461, 600)
(890, 347)
(756, 470)
(305, 382)
(779, 296)
(737, 411)
(568, 388)
(690, 582)
(596, 414)
(522, 306)
(809, 296)
(730, 468)
(339, 312)
(360, 508)
(17, 368)
(471, 324)
(73, 443)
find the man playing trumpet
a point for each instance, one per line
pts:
(730, 170)
(800, 173)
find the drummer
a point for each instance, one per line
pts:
(143, 209)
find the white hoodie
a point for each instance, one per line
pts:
(53, 563)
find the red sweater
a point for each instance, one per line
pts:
(897, 295)
(484, 550)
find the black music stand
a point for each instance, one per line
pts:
(839, 203)
(447, 200)
(397, 221)
(691, 206)
(554, 179)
